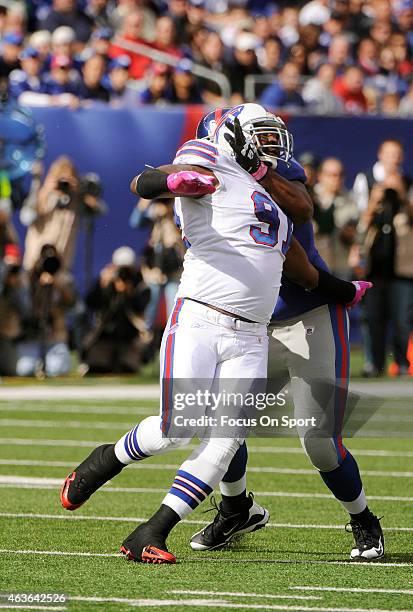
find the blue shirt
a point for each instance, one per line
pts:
(293, 300)
(275, 96)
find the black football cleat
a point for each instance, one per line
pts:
(369, 540)
(225, 527)
(145, 545)
(101, 465)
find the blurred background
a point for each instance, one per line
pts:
(92, 90)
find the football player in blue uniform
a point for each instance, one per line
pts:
(309, 341)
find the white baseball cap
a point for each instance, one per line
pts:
(124, 256)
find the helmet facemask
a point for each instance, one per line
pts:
(272, 139)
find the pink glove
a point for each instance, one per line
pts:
(361, 288)
(187, 183)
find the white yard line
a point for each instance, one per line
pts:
(30, 607)
(232, 594)
(131, 519)
(85, 392)
(353, 590)
(52, 483)
(171, 466)
(278, 450)
(50, 424)
(111, 410)
(121, 391)
(215, 560)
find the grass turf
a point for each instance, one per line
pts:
(262, 569)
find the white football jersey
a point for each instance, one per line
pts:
(236, 238)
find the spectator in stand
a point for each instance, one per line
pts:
(158, 82)
(62, 83)
(3, 19)
(403, 11)
(317, 92)
(390, 104)
(99, 43)
(316, 11)
(335, 217)
(67, 13)
(183, 89)
(367, 56)
(213, 57)
(400, 48)
(244, 62)
(381, 32)
(28, 78)
(116, 82)
(288, 30)
(63, 42)
(101, 12)
(131, 31)
(42, 41)
(91, 87)
(339, 54)
(285, 92)
(178, 11)
(349, 88)
(406, 104)
(165, 37)
(388, 79)
(298, 56)
(16, 19)
(270, 56)
(11, 47)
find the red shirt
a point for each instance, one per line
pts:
(353, 101)
(139, 63)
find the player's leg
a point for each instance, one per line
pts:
(243, 355)
(319, 373)
(238, 512)
(184, 352)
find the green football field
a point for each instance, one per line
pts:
(298, 562)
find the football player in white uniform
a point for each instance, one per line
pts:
(235, 234)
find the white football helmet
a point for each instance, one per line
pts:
(268, 132)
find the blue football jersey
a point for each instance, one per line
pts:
(293, 300)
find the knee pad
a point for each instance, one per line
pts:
(151, 440)
(321, 452)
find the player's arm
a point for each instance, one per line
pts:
(174, 180)
(299, 269)
(291, 195)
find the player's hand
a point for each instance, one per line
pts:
(246, 154)
(188, 183)
(361, 288)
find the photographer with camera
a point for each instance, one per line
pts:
(53, 210)
(163, 255)
(51, 294)
(14, 307)
(118, 299)
(388, 248)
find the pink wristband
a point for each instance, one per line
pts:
(261, 172)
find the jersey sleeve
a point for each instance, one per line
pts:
(198, 153)
(292, 171)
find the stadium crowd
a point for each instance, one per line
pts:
(322, 56)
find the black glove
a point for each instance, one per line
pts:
(246, 154)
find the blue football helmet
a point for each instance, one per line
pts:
(207, 125)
